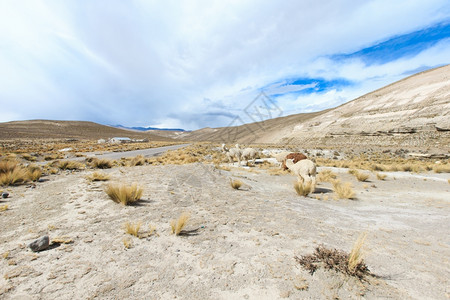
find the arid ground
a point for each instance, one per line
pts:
(238, 244)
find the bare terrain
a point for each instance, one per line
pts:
(242, 244)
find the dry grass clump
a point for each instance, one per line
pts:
(98, 176)
(137, 161)
(381, 176)
(70, 165)
(277, 172)
(101, 163)
(133, 228)
(178, 225)
(303, 189)
(28, 157)
(355, 257)
(62, 240)
(15, 177)
(3, 207)
(127, 243)
(34, 173)
(124, 194)
(235, 184)
(333, 259)
(326, 176)
(441, 169)
(224, 168)
(8, 166)
(359, 176)
(343, 190)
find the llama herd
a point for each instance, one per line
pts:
(298, 163)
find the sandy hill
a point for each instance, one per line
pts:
(413, 112)
(68, 129)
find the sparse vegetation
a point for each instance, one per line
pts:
(17, 176)
(235, 184)
(127, 243)
(62, 240)
(3, 207)
(124, 194)
(137, 161)
(361, 176)
(178, 225)
(343, 190)
(98, 176)
(133, 228)
(303, 189)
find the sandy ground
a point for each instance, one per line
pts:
(245, 244)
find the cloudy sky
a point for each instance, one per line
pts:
(193, 64)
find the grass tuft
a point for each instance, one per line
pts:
(343, 190)
(127, 243)
(133, 228)
(441, 169)
(381, 176)
(326, 176)
(98, 176)
(70, 165)
(360, 176)
(303, 190)
(355, 257)
(178, 225)
(235, 184)
(101, 163)
(3, 207)
(124, 194)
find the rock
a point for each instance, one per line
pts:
(40, 244)
(5, 195)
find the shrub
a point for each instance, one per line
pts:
(98, 176)
(133, 228)
(178, 225)
(235, 184)
(124, 194)
(304, 189)
(343, 190)
(361, 176)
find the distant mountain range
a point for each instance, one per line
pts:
(148, 128)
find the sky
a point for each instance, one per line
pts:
(212, 63)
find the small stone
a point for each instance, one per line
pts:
(5, 195)
(40, 244)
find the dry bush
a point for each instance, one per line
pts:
(3, 207)
(101, 163)
(332, 259)
(441, 169)
(326, 176)
(235, 184)
(224, 168)
(35, 174)
(70, 165)
(355, 257)
(343, 190)
(303, 189)
(381, 176)
(124, 194)
(98, 176)
(133, 228)
(53, 171)
(178, 225)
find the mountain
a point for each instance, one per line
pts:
(69, 129)
(148, 128)
(412, 112)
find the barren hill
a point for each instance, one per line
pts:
(68, 129)
(413, 112)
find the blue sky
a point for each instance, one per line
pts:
(194, 64)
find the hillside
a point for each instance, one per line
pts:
(35, 129)
(413, 112)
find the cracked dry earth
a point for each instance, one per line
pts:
(245, 242)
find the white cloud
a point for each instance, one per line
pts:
(144, 63)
